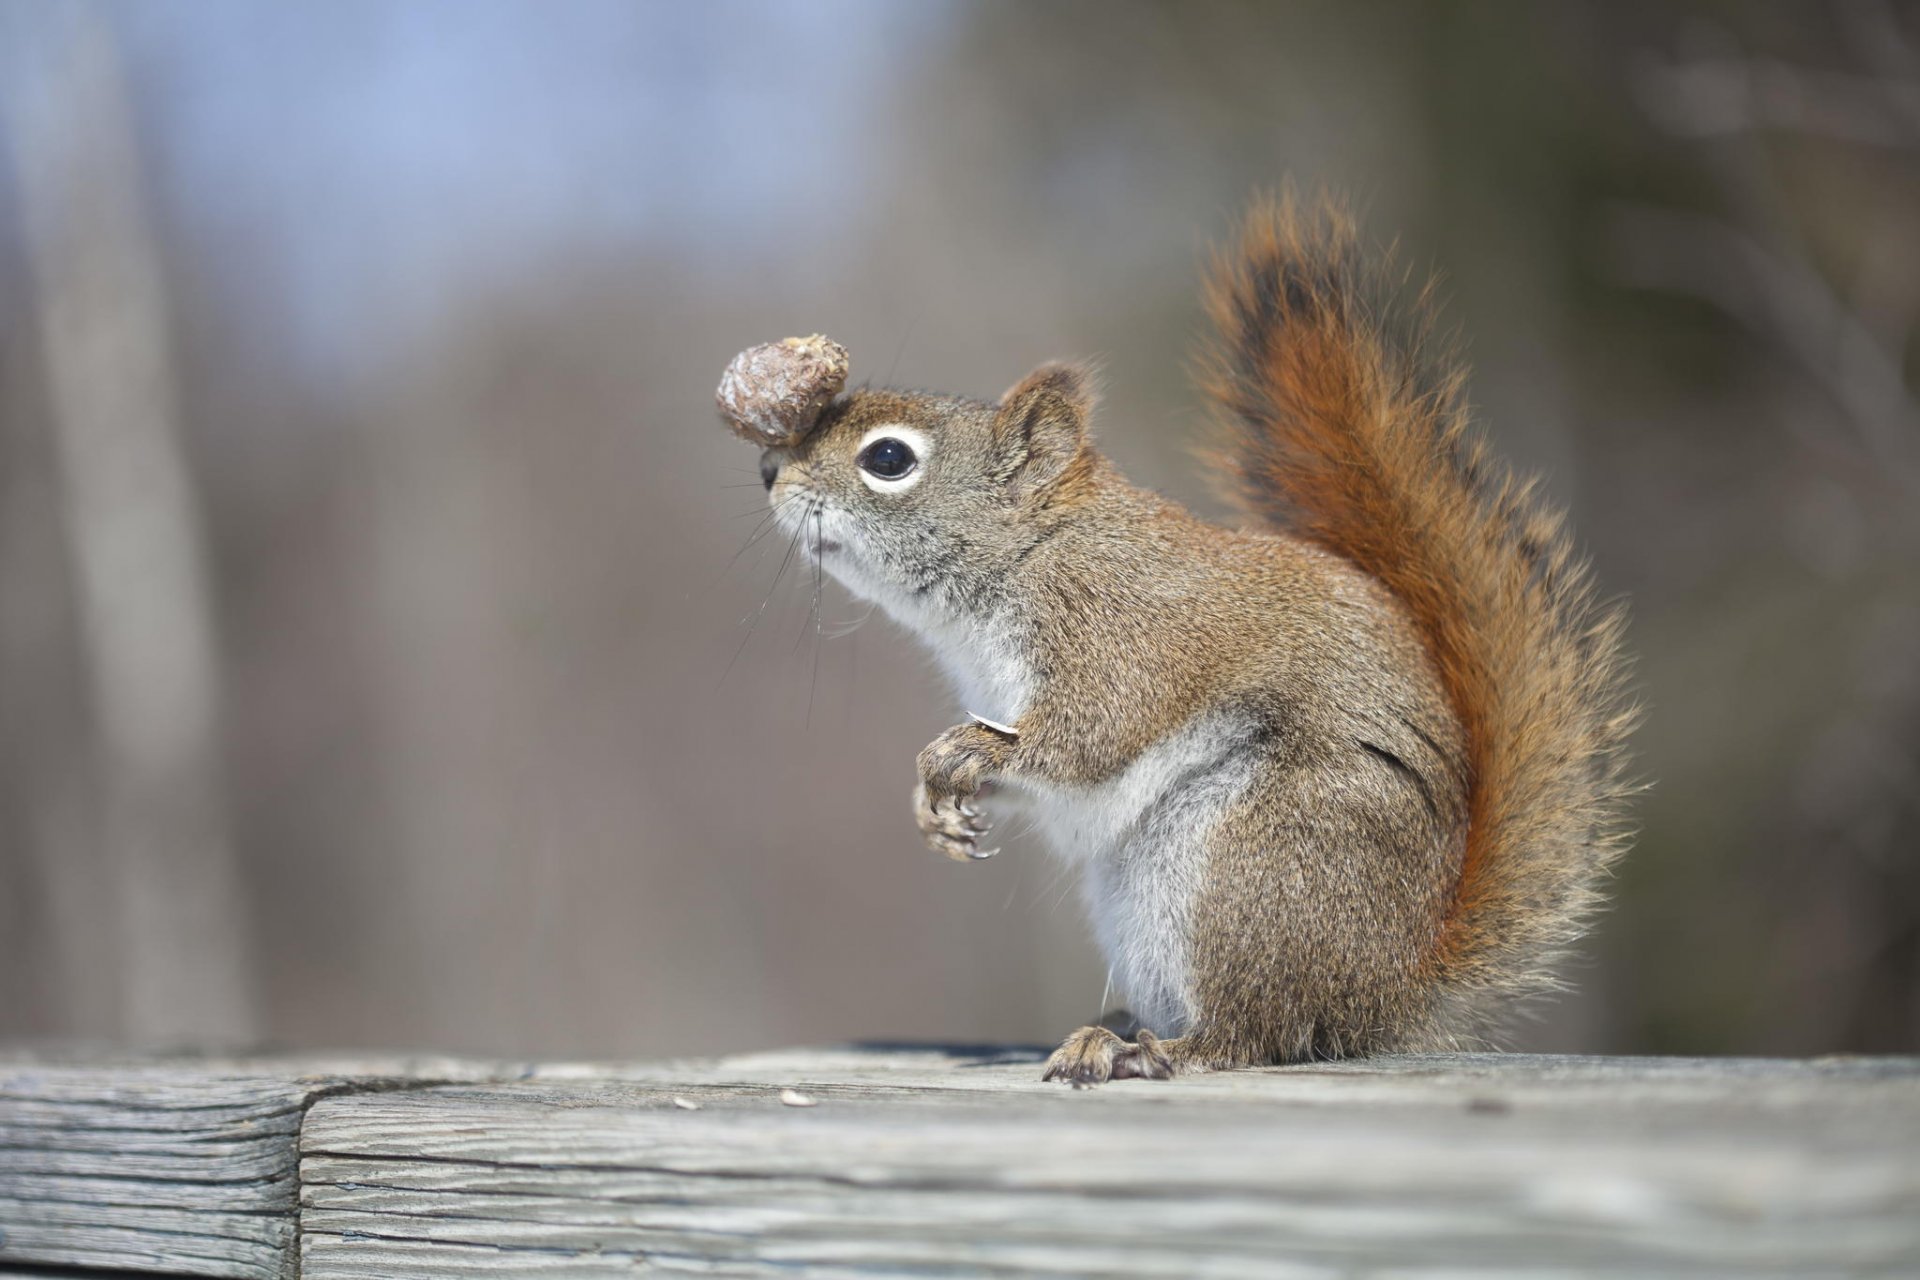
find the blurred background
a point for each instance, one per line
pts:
(376, 668)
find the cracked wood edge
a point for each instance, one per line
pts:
(924, 1163)
(925, 1160)
(178, 1166)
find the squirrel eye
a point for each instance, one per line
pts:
(888, 458)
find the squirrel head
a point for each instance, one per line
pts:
(922, 502)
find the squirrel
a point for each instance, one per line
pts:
(1340, 782)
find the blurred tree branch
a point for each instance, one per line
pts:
(1847, 882)
(1784, 302)
(1730, 92)
(132, 528)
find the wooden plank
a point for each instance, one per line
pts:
(158, 1170)
(174, 1167)
(924, 1162)
(929, 1163)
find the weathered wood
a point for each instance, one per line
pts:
(934, 1164)
(917, 1161)
(186, 1168)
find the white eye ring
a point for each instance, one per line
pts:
(915, 440)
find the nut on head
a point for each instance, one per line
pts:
(772, 394)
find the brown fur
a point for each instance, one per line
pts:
(1411, 702)
(1355, 437)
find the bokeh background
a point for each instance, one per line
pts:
(375, 665)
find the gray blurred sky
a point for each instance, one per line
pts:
(351, 134)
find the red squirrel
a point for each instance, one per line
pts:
(1341, 781)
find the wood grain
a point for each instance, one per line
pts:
(160, 1170)
(181, 1167)
(921, 1162)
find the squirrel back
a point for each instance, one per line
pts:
(1339, 423)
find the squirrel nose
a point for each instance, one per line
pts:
(769, 469)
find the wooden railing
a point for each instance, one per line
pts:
(918, 1161)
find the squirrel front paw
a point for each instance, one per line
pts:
(950, 825)
(955, 770)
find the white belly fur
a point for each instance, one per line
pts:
(1141, 843)
(1140, 840)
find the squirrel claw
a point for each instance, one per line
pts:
(1144, 1059)
(957, 850)
(1084, 1058)
(950, 826)
(1095, 1055)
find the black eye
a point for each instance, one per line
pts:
(887, 458)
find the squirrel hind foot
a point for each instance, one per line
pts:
(1095, 1055)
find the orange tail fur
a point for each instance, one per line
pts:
(1341, 425)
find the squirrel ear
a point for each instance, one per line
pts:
(1040, 428)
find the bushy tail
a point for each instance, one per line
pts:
(1342, 425)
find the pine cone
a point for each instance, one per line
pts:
(772, 394)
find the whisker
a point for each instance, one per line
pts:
(1057, 881)
(901, 350)
(752, 620)
(760, 531)
(813, 681)
(853, 677)
(796, 496)
(842, 630)
(810, 521)
(769, 522)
